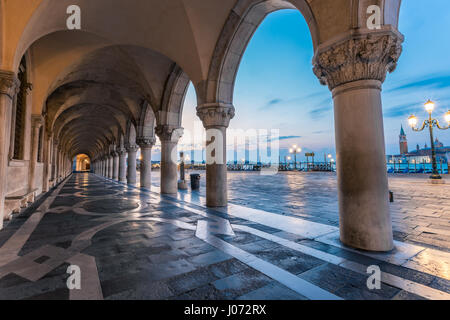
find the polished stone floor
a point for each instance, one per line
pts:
(133, 244)
(420, 212)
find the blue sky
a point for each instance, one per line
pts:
(276, 88)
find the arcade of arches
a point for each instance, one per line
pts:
(118, 83)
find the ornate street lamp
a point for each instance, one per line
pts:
(294, 150)
(430, 123)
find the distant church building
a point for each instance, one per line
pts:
(419, 155)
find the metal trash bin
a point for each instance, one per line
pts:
(195, 181)
(391, 196)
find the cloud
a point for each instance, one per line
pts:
(437, 82)
(272, 103)
(416, 107)
(289, 137)
(269, 138)
(401, 111)
(321, 109)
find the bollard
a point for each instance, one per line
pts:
(182, 185)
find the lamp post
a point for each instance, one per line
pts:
(294, 150)
(430, 123)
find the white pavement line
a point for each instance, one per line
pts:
(209, 227)
(10, 250)
(284, 277)
(91, 288)
(403, 254)
(407, 285)
(323, 233)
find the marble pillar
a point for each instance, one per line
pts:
(115, 156)
(47, 159)
(122, 165)
(54, 159)
(354, 71)
(105, 166)
(36, 124)
(110, 166)
(131, 173)
(216, 119)
(169, 137)
(146, 144)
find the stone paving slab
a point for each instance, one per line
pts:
(138, 245)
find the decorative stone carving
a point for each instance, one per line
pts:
(360, 57)
(9, 84)
(121, 152)
(146, 142)
(169, 133)
(215, 114)
(132, 148)
(37, 121)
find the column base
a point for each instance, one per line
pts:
(182, 185)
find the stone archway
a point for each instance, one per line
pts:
(82, 163)
(353, 61)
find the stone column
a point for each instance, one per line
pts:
(54, 159)
(56, 164)
(146, 144)
(169, 137)
(122, 165)
(131, 174)
(36, 124)
(354, 70)
(115, 157)
(216, 119)
(60, 164)
(47, 156)
(9, 86)
(100, 166)
(105, 166)
(110, 166)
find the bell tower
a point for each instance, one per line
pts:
(403, 142)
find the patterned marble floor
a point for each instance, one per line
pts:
(420, 213)
(133, 244)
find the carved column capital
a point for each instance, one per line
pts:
(121, 152)
(358, 57)
(131, 148)
(37, 121)
(146, 142)
(215, 114)
(9, 84)
(169, 133)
